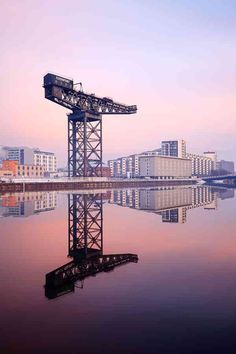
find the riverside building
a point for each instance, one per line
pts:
(46, 159)
(34, 157)
(213, 156)
(225, 166)
(201, 165)
(129, 166)
(175, 148)
(165, 167)
(26, 171)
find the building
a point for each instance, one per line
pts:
(23, 155)
(135, 165)
(201, 165)
(5, 174)
(3, 154)
(30, 171)
(225, 166)
(28, 156)
(27, 171)
(115, 167)
(8, 165)
(46, 159)
(165, 167)
(128, 166)
(213, 156)
(176, 148)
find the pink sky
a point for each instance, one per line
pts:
(176, 62)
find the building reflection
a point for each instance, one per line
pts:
(27, 204)
(85, 247)
(172, 203)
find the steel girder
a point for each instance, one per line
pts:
(85, 225)
(78, 100)
(62, 280)
(84, 145)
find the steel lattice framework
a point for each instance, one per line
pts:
(84, 145)
(85, 246)
(84, 123)
(85, 225)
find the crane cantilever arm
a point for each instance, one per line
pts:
(61, 280)
(72, 99)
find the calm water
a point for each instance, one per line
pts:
(170, 288)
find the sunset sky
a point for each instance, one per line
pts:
(174, 59)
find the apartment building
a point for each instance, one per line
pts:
(201, 165)
(129, 166)
(213, 156)
(28, 156)
(22, 154)
(165, 167)
(27, 171)
(46, 159)
(175, 148)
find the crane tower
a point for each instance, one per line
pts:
(84, 123)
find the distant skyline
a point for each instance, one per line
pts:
(174, 59)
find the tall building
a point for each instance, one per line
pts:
(227, 166)
(201, 165)
(176, 148)
(23, 155)
(213, 156)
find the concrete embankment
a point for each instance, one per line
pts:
(83, 184)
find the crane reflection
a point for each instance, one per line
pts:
(85, 247)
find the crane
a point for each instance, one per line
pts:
(84, 123)
(85, 247)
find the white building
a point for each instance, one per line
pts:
(46, 159)
(165, 167)
(129, 166)
(201, 165)
(28, 156)
(213, 156)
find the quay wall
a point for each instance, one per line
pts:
(83, 185)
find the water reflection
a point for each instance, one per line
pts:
(85, 247)
(179, 298)
(27, 204)
(172, 203)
